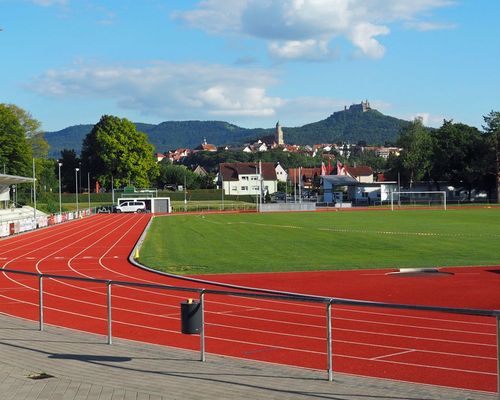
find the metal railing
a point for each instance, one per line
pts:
(327, 301)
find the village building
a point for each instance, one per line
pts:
(247, 178)
(206, 146)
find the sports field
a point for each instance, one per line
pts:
(236, 243)
(418, 346)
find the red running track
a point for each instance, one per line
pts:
(440, 349)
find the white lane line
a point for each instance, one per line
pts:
(392, 355)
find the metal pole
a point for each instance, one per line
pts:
(40, 302)
(60, 203)
(110, 333)
(34, 191)
(202, 333)
(185, 196)
(88, 187)
(260, 186)
(222, 192)
(76, 189)
(329, 340)
(498, 356)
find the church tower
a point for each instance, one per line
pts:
(278, 135)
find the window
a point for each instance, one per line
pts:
(235, 188)
(244, 188)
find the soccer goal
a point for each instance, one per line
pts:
(415, 199)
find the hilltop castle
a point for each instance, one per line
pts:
(363, 107)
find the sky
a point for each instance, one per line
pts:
(249, 62)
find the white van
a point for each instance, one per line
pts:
(131, 206)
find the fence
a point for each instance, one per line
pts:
(12, 226)
(327, 302)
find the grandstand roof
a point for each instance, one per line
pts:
(13, 179)
(340, 180)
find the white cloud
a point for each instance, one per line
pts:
(167, 90)
(308, 50)
(48, 3)
(424, 26)
(305, 29)
(363, 36)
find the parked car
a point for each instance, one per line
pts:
(131, 206)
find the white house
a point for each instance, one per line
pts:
(247, 178)
(362, 174)
(281, 174)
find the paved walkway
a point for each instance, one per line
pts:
(84, 367)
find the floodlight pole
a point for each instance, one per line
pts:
(88, 187)
(76, 188)
(59, 164)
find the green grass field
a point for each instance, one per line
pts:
(234, 243)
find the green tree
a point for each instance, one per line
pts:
(175, 175)
(114, 149)
(32, 130)
(492, 129)
(416, 156)
(15, 152)
(69, 161)
(461, 156)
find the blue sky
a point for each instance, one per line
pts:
(249, 62)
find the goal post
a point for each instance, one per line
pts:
(418, 198)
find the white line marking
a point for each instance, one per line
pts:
(392, 355)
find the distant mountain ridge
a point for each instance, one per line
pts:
(357, 123)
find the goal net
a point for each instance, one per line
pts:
(434, 199)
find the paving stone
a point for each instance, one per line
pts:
(85, 368)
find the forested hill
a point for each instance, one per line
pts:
(351, 125)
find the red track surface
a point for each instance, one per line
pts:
(439, 349)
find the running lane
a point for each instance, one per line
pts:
(421, 347)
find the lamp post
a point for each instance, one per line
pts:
(59, 164)
(88, 185)
(76, 188)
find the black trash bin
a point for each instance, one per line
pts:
(191, 317)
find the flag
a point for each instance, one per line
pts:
(323, 169)
(97, 187)
(340, 168)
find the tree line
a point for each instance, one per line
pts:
(456, 154)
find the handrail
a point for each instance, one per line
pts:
(274, 296)
(284, 296)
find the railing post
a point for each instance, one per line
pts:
(498, 356)
(329, 340)
(108, 298)
(40, 302)
(202, 333)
